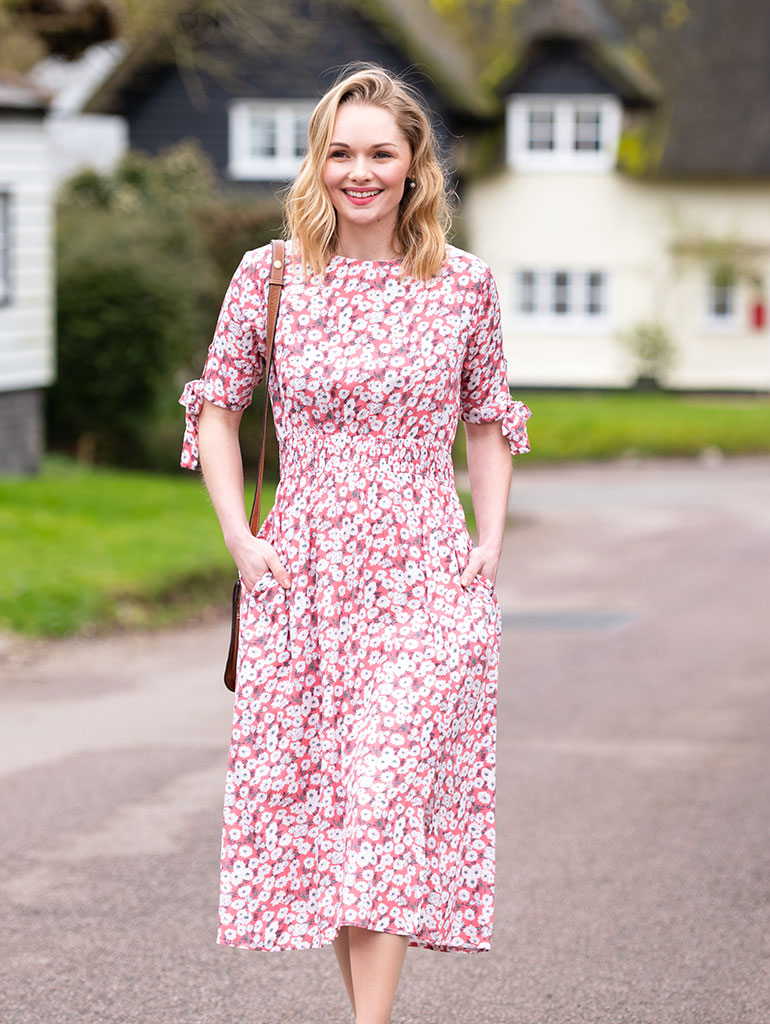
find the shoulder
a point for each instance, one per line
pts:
(257, 261)
(253, 271)
(472, 269)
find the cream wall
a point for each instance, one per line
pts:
(604, 221)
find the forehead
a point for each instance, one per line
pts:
(364, 123)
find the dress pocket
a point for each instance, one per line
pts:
(263, 582)
(486, 580)
(480, 587)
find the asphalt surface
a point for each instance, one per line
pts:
(633, 806)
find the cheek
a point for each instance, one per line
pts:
(397, 176)
(332, 176)
(329, 182)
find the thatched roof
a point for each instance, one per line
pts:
(578, 19)
(411, 25)
(423, 36)
(715, 71)
(703, 66)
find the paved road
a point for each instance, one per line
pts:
(634, 803)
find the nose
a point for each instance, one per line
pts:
(360, 169)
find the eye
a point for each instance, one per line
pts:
(337, 153)
(385, 153)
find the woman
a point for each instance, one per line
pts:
(359, 805)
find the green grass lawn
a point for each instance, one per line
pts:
(608, 425)
(84, 547)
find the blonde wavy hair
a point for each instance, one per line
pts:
(423, 219)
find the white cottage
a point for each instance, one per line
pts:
(630, 194)
(26, 275)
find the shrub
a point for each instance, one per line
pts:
(126, 312)
(144, 257)
(651, 349)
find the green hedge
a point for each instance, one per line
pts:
(144, 256)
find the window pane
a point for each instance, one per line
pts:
(301, 122)
(560, 292)
(722, 298)
(588, 129)
(595, 281)
(263, 135)
(527, 291)
(722, 294)
(540, 129)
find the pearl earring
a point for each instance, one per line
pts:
(412, 183)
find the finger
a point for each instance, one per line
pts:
(278, 571)
(249, 582)
(258, 578)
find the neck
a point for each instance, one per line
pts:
(369, 242)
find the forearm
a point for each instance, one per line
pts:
(220, 459)
(490, 470)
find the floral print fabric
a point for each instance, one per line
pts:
(361, 780)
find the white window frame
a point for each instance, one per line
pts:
(565, 108)
(538, 288)
(714, 321)
(244, 165)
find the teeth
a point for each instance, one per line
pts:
(362, 195)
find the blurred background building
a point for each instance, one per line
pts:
(26, 273)
(612, 156)
(628, 195)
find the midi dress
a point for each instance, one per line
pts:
(361, 781)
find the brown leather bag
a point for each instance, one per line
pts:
(273, 302)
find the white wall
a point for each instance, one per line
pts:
(605, 221)
(26, 323)
(77, 141)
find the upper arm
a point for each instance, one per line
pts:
(485, 397)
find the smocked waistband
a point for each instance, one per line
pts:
(314, 451)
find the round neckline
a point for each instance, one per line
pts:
(355, 259)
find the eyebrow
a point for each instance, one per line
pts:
(377, 145)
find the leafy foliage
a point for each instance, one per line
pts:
(144, 257)
(650, 347)
(33, 29)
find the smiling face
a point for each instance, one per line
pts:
(365, 172)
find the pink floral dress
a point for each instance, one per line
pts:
(361, 782)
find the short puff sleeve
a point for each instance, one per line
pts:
(484, 393)
(236, 357)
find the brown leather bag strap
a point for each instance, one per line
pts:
(273, 302)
